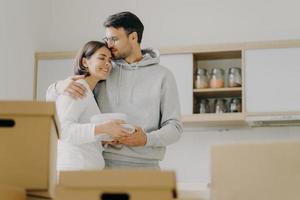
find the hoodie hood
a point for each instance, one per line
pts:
(150, 57)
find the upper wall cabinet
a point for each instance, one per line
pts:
(272, 80)
(210, 83)
(218, 84)
(217, 88)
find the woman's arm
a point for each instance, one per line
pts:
(69, 112)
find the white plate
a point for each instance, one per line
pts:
(107, 137)
(108, 116)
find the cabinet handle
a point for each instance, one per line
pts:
(115, 196)
(8, 123)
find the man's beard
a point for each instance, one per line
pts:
(121, 55)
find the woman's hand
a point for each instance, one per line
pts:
(114, 128)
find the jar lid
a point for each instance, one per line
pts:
(203, 101)
(220, 100)
(234, 70)
(201, 71)
(217, 71)
(235, 100)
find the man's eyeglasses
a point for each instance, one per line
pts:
(110, 40)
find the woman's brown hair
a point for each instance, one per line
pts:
(86, 52)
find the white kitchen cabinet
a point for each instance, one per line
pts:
(181, 66)
(272, 80)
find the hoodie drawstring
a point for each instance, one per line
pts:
(133, 84)
(119, 85)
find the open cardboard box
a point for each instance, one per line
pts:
(28, 137)
(116, 184)
(259, 171)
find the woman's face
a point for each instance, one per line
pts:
(99, 64)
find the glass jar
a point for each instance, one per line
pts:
(217, 78)
(201, 80)
(235, 105)
(234, 77)
(220, 106)
(203, 106)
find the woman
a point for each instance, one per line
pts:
(77, 147)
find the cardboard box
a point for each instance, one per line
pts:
(32, 197)
(28, 138)
(12, 193)
(260, 171)
(117, 184)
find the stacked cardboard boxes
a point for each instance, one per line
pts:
(28, 138)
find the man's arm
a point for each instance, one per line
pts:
(68, 86)
(171, 125)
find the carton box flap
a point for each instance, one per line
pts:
(27, 108)
(138, 179)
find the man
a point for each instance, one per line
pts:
(139, 87)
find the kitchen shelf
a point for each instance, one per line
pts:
(218, 92)
(212, 119)
(222, 59)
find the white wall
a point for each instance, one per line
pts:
(177, 22)
(60, 25)
(23, 30)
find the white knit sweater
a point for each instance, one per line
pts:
(77, 147)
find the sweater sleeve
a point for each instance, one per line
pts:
(69, 112)
(170, 125)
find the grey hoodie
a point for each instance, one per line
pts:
(147, 93)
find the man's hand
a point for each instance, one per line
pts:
(138, 138)
(71, 88)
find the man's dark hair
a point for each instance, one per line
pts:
(127, 20)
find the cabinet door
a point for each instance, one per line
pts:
(272, 80)
(182, 67)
